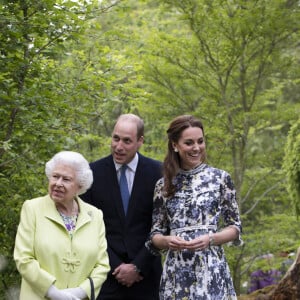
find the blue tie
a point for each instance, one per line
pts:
(124, 188)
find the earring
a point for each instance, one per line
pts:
(175, 149)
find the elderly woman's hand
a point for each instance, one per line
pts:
(76, 292)
(54, 293)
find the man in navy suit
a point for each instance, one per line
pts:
(135, 272)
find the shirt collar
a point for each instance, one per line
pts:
(131, 165)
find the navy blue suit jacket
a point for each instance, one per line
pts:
(126, 235)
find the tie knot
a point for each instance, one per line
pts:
(123, 168)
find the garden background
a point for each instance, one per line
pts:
(68, 69)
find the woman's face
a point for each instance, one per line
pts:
(191, 148)
(63, 186)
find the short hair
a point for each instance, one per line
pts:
(84, 174)
(135, 119)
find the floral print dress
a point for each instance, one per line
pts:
(204, 197)
(70, 223)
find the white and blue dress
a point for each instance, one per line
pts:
(205, 201)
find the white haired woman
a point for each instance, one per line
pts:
(60, 241)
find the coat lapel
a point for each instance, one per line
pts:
(85, 216)
(51, 211)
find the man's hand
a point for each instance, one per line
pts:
(126, 274)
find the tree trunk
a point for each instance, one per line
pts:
(288, 287)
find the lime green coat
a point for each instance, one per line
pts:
(45, 253)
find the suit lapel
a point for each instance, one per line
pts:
(137, 183)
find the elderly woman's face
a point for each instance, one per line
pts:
(63, 186)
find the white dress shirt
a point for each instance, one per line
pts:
(130, 171)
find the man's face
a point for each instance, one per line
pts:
(124, 143)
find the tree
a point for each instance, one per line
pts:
(230, 63)
(292, 165)
(68, 69)
(36, 120)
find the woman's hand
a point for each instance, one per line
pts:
(176, 243)
(199, 243)
(168, 242)
(54, 293)
(78, 292)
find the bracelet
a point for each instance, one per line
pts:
(211, 238)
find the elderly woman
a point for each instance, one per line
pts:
(60, 241)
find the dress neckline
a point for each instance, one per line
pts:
(192, 171)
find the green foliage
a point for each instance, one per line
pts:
(36, 120)
(261, 238)
(292, 165)
(69, 69)
(231, 64)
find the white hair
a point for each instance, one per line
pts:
(84, 175)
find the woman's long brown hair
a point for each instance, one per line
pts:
(172, 160)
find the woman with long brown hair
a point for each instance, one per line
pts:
(195, 212)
